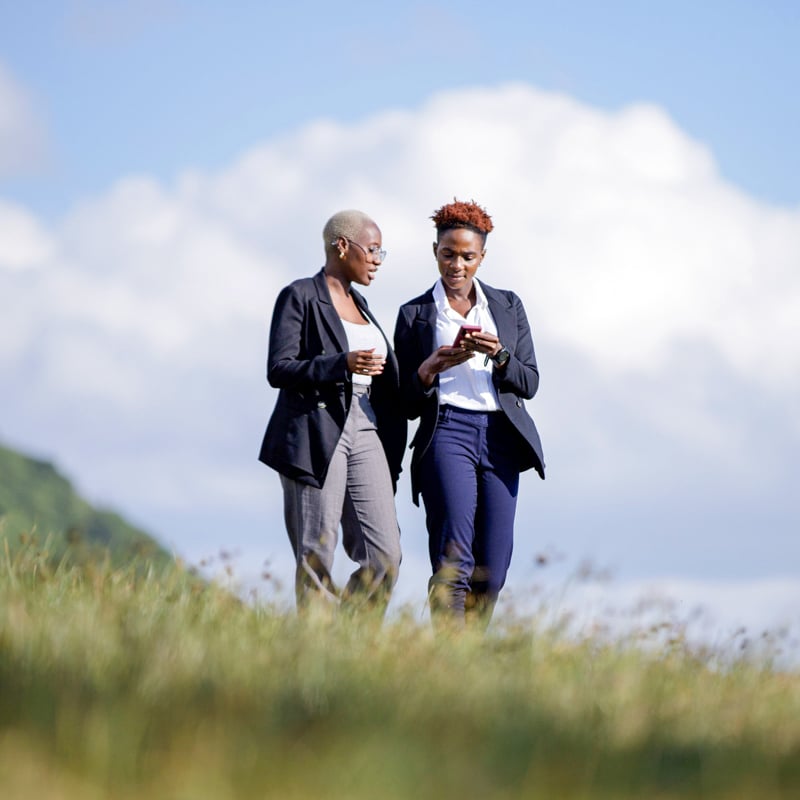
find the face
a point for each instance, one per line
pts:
(459, 252)
(362, 258)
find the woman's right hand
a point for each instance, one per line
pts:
(441, 359)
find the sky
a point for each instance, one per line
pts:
(166, 167)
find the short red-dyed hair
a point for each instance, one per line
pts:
(459, 214)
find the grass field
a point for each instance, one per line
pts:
(127, 683)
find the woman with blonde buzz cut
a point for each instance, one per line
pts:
(337, 433)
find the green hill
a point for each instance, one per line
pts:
(36, 500)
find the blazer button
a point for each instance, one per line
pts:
(322, 404)
(323, 352)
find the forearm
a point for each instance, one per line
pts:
(415, 391)
(521, 372)
(290, 361)
(298, 373)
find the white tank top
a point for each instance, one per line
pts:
(363, 337)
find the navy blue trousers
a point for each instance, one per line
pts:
(469, 486)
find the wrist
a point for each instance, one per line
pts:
(501, 356)
(425, 377)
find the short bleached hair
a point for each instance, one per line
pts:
(346, 224)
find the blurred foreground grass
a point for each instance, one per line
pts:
(132, 683)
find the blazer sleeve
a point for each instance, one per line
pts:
(298, 358)
(521, 373)
(408, 347)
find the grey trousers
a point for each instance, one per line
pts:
(357, 493)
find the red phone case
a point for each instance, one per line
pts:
(465, 329)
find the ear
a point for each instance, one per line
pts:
(435, 249)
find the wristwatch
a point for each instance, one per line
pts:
(501, 357)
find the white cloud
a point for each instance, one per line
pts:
(663, 303)
(22, 136)
(24, 243)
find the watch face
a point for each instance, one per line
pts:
(502, 357)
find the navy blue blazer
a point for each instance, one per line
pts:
(415, 340)
(307, 361)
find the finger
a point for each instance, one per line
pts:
(486, 338)
(485, 345)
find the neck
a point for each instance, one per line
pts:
(466, 293)
(337, 282)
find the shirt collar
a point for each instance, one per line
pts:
(440, 298)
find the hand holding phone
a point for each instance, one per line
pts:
(464, 329)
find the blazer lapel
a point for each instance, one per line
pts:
(362, 304)
(328, 316)
(498, 305)
(425, 322)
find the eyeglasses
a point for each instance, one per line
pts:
(374, 250)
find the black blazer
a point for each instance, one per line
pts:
(415, 340)
(307, 361)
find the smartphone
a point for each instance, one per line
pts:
(465, 329)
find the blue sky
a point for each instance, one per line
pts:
(165, 168)
(155, 86)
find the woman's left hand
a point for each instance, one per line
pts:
(366, 362)
(482, 342)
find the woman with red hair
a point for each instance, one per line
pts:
(467, 365)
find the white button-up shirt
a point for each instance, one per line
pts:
(467, 385)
